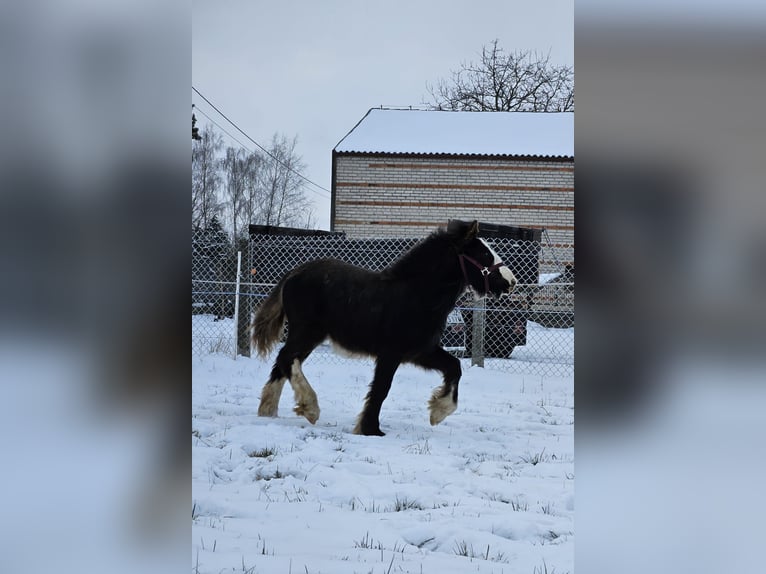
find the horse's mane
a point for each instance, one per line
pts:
(428, 256)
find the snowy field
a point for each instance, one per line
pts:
(489, 490)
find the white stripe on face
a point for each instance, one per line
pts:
(506, 273)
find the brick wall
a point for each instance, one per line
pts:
(406, 196)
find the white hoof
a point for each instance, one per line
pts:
(441, 408)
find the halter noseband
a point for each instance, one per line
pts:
(485, 271)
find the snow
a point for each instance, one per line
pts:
(547, 277)
(490, 490)
(443, 132)
(211, 335)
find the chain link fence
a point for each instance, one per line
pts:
(530, 331)
(214, 288)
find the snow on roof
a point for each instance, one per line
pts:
(548, 134)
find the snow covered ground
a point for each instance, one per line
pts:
(489, 490)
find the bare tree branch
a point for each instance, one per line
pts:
(500, 81)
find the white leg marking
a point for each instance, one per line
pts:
(270, 398)
(358, 426)
(306, 404)
(441, 407)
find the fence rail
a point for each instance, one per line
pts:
(530, 331)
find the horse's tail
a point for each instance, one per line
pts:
(269, 321)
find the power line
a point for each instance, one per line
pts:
(222, 128)
(263, 149)
(240, 143)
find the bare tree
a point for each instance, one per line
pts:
(206, 179)
(243, 187)
(284, 200)
(500, 81)
(237, 166)
(252, 199)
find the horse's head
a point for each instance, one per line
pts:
(482, 268)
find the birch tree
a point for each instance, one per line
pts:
(284, 199)
(206, 179)
(237, 165)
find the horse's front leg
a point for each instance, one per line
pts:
(443, 402)
(368, 422)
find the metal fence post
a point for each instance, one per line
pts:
(477, 333)
(245, 310)
(236, 304)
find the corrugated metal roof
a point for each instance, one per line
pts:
(432, 132)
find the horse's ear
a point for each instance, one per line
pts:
(473, 230)
(463, 230)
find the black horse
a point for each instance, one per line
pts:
(396, 316)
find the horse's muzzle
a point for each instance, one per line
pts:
(509, 277)
(502, 287)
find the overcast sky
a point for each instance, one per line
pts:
(313, 68)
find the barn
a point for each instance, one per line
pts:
(403, 172)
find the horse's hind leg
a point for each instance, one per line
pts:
(368, 422)
(443, 402)
(306, 404)
(271, 392)
(288, 366)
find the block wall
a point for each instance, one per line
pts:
(399, 196)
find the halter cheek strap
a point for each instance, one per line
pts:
(485, 271)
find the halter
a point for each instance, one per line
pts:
(485, 271)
